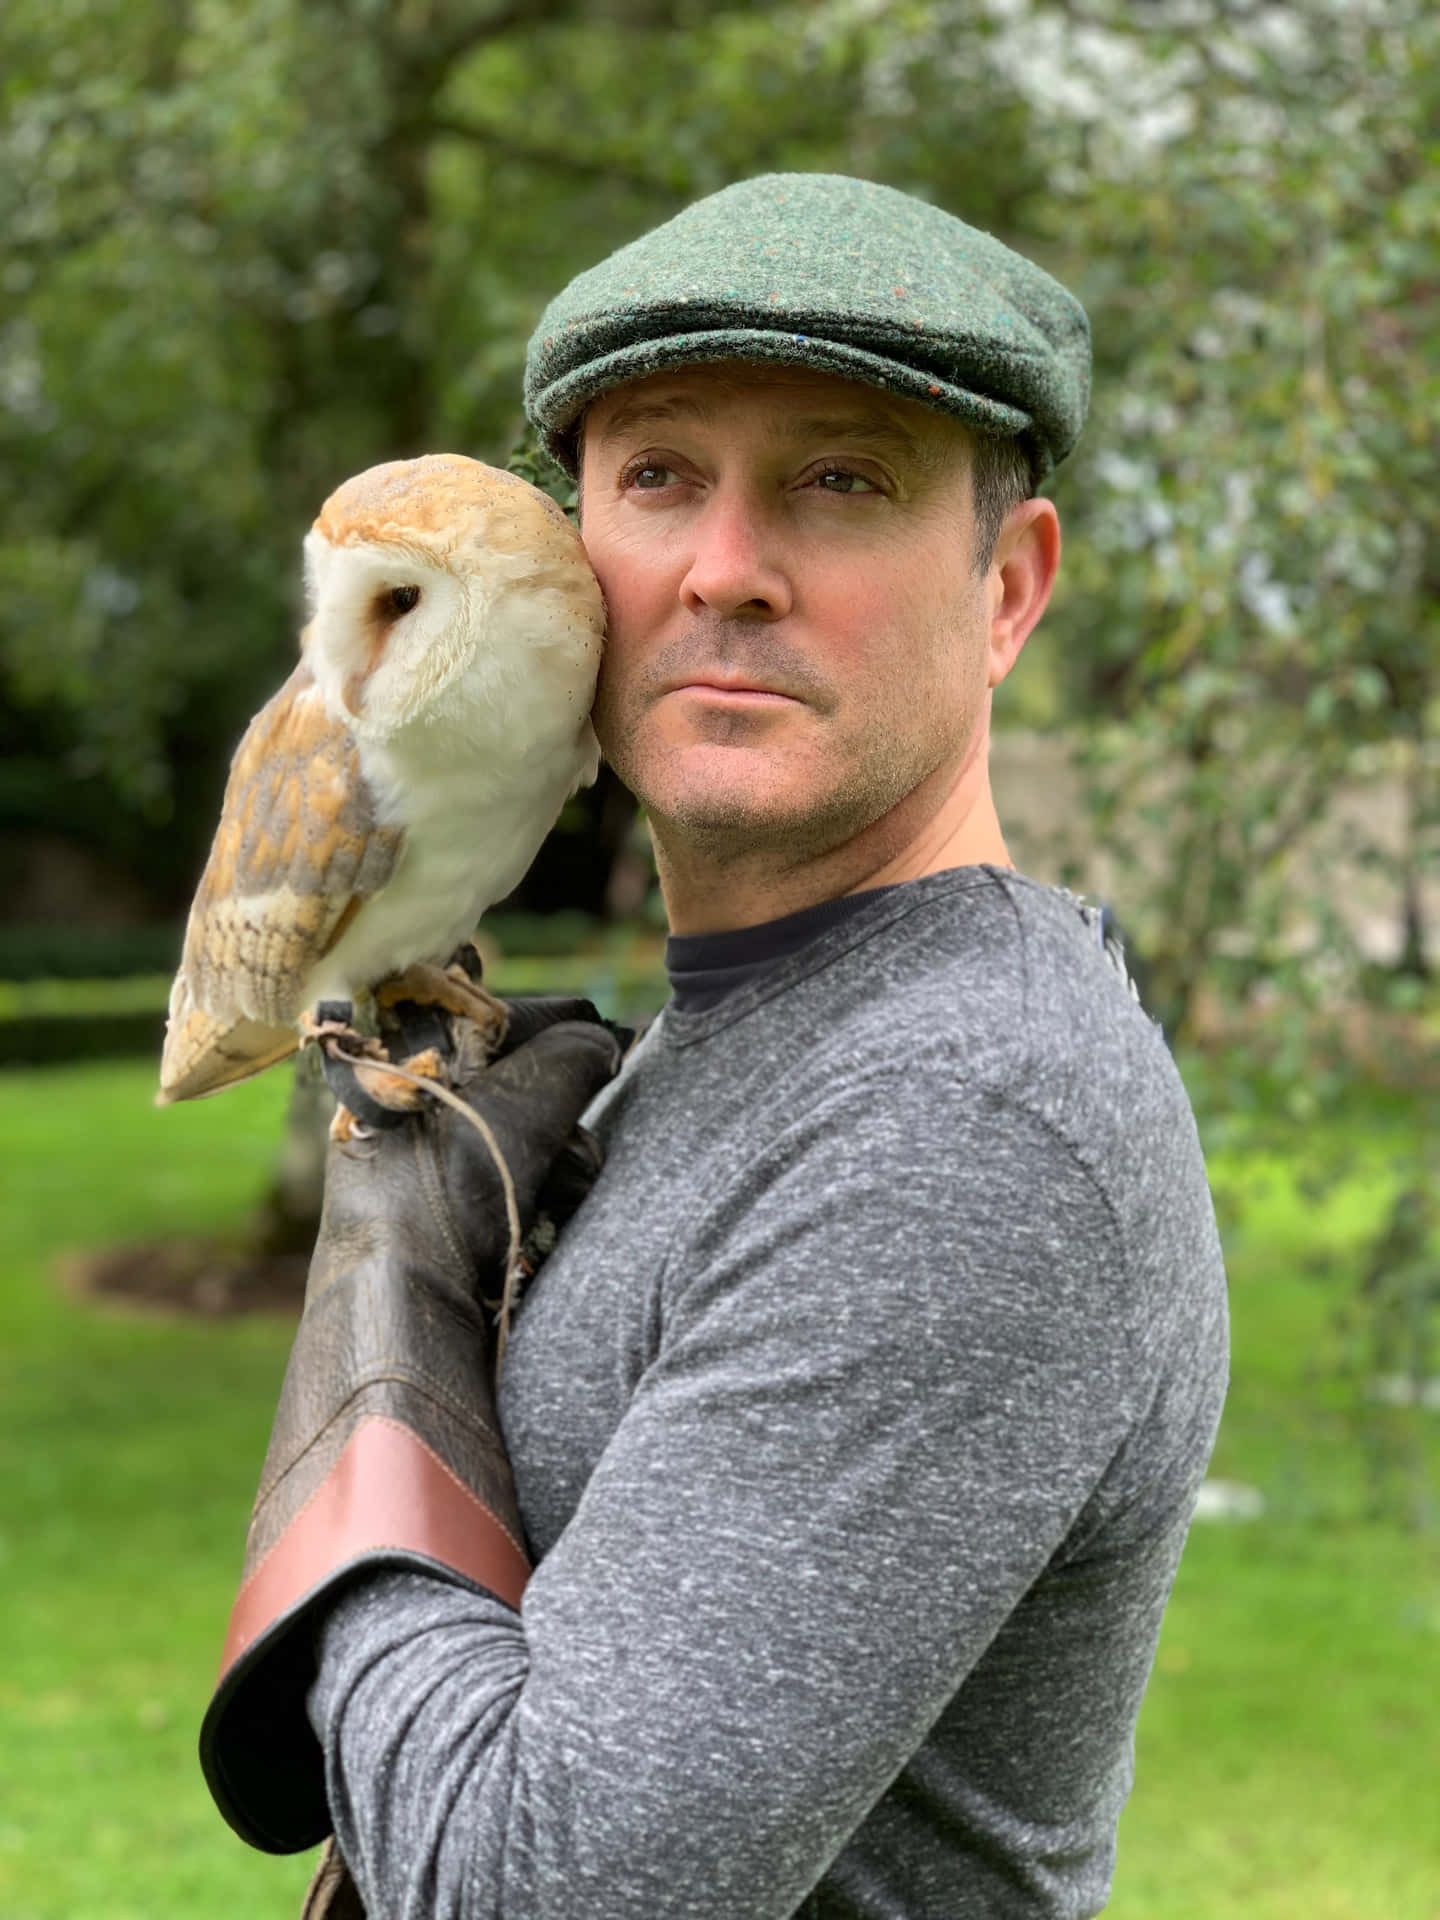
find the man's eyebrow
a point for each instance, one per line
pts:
(866, 429)
(629, 415)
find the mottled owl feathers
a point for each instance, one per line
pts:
(404, 776)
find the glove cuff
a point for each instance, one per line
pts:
(388, 1493)
(388, 1501)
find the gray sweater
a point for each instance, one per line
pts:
(856, 1423)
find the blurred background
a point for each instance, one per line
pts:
(246, 250)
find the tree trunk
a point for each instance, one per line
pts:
(289, 1215)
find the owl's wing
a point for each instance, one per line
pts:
(298, 851)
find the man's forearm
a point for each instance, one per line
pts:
(413, 1708)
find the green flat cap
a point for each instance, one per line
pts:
(843, 276)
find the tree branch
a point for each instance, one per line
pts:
(506, 144)
(437, 51)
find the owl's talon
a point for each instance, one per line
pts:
(358, 1071)
(346, 1130)
(452, 990)
(429, 1063)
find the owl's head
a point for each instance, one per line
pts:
(425, 573)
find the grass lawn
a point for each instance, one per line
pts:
(129, 1451)
(1288, 1749)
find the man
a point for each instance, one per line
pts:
(857, 1419)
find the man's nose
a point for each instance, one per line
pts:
(736, 566)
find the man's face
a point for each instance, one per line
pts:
(798, 638)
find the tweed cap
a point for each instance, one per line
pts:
(842, 276)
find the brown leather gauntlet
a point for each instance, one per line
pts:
(386, 1449)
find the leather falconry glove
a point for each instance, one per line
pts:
(386, 1449)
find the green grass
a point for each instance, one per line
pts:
(129, 1450)
(1289, 1743)
(1287, 1752)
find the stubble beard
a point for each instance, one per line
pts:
(874, 777)
(742, 823)
(856, 774)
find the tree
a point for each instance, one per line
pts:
(249, 249)
(1253, 604)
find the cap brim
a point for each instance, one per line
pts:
(558, 406)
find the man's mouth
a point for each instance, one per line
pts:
(724, 687)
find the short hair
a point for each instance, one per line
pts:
(1001, 476)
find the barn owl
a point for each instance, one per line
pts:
(404, 776)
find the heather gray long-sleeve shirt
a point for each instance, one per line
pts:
(856, 1423)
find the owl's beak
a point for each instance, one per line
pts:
(353, 690)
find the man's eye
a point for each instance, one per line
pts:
(648, 476)
(841, 480)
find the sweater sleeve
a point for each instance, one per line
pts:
(897, 1364)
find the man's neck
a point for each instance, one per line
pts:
(936, 827)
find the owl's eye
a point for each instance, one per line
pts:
(402, 599)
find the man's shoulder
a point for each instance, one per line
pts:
(1007, 996)
(1005, 969)
(970, 985)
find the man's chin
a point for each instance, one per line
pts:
(739, 819)
(715, 818)
(702, 780)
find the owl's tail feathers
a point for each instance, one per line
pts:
(205, 1055)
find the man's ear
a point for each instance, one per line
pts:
(1018, 584)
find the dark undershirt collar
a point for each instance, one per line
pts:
(706, 968)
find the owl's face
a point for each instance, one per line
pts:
(408, 567)
(392, 625)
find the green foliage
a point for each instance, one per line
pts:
(1286, 1733)
(1251, 602)
(130, 1447)
(531, 462)
(1391, 1328)
(86, 953)
(249, 250)
(1335, 1113)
